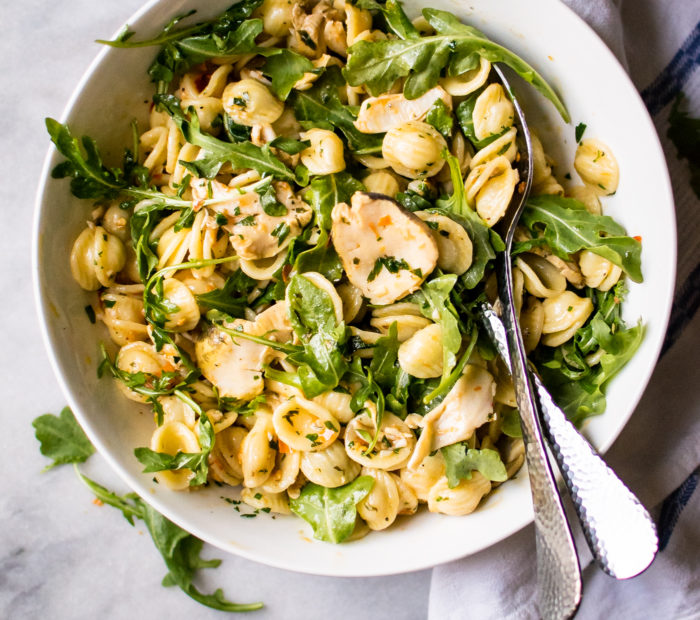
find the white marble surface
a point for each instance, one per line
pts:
(61, 556)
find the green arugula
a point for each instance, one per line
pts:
(369, 390)
(461, 460)
(388, 374)
(312, 314)
(242, 155)
(232, 298)
(485, 241)
(285, 69)
(268, 200)
(580, 129)
(320, 106)
(290, 145)
(228, 34)
(331, 512)
(390, 263)
(440, 117)
(62, 439)
(567, 227)
(455, 47)
(197, 462)
(510, 422)
(684, 132)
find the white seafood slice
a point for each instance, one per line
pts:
(386, 251)
(380, 114)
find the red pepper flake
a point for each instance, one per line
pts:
(638, 238)
(385, 221)
(98, 502)
(286, 270)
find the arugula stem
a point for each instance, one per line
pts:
(458, 369)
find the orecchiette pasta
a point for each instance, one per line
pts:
(96, 258)
(330, 467)
(381, 506)
(421, 355)
(249, 102)
(325, 154)
(304, 425)
(490, 187)
(563, 315)
(597, 166)
(171, 438)
(460, 500)
(493, 112)
(414, 150)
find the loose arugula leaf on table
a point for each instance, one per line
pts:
(567, 227)
(62, 439)
(684, 132)
(197, 462)
(179, 549)
(331, 512)
(455, 47)
(440, 117)
(461, 460)
(232, 298)
(285, 69)
(312, 314)
(485, 241)
(321, 106)
(241, 155)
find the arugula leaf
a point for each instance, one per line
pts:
(485, 241)
(312, 314)
(436, 296)
(269, 202)
(388, 374)
(232, 298)
(61, 438)
(179, 549)
(510, 422)
(568, 227)
(455, 47)
(235, 132)
(321, 258)
(198, 462)
(290, 145)
(580, 129)
(331, 512)
(461, 460)
(684, 132)
(321, 106)
(285, 69)
(242, 155)
(326, 191)
(440, 117)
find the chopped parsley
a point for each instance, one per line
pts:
(392, 265)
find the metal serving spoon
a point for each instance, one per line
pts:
(558, 571)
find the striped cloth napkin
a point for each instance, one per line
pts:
(658, 453)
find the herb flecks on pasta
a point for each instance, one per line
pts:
(289, 259)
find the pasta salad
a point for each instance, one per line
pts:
(289, 260)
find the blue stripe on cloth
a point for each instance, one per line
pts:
(685, 305)
(673, 507)
(670, 81)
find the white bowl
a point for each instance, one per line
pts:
(597, 91)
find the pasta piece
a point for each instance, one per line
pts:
(224, 460)
(382, 182)
(116, 222)
(381, 505)
(250, 102)
(597, 166)
(563, 316)
(221, 420)
(421, 355)
(394, 444)
(96, 258)
(325, 154)
(503, 146)
(541, 169)
(285, 472)
(331, 467)
(353, 302)
(175, 410)
(455, 250)
(599, 272)
(304, 425)
(414, 150)
(408, 502)
(588, 196)
(263, 268)
(357, 21)
(490, 186)
(276, 16)
(260, 499)
(123, 315)
(137, 357)
(185, 315)
(493, 112)
(172, 438)
(338, 403)
(257, 452)
(531, 323)
(407, 324)
(542, 279)
(468, 82)
(424, 475)
(462, 500)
